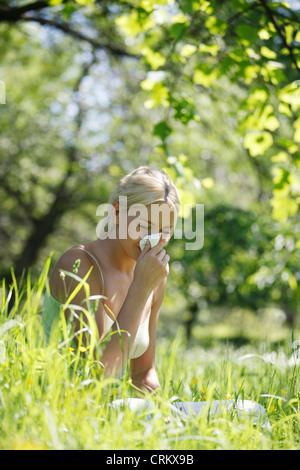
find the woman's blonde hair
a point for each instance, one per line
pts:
(146, 185)
(143, 185)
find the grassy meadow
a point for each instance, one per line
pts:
(54, 397)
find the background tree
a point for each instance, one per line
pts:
(208, 90)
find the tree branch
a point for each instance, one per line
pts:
(280, 32)
(22, 13)
(14, 14)
(115, 50)
(241, 12)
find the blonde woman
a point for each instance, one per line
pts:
(133, 281)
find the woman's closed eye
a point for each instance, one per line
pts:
(144, 228)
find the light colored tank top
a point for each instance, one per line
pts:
(51, 309)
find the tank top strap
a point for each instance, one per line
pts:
(151, 295)
(84, 249)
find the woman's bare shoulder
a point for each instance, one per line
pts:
(69, 257)
(67, 262)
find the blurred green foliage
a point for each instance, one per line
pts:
(207, 90)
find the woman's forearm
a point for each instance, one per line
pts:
(117, 349)
(146, 381)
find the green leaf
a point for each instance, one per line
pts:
(258, 142)
(289, 144)
(289, 29)
(207, 182)
(271, 71)
(187, 50)
(257, 97)
(185, 110)
(159, 96)
(154, 59)
(162, 130)
(296, 125)
(238, 4)
(68, 10)
(292, 281)
(281, 178)
(290, 94)
(262, 118)
(200, 5)
(283, 206)
(279, 157)
(85, 2)
(250, 73)
(266, 52)
(134, 23)
(284, 108)
(204, 75)
(211, 49)
(247, 34)
(178, 30)
(264, 34)
(215, 25)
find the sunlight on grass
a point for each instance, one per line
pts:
(53, 396)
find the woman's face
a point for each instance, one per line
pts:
(142, 220)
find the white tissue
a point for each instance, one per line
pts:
(153, 238)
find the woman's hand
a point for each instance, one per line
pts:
(151, 267)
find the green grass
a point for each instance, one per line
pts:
(54, 397)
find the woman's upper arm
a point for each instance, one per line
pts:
(62, 288)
